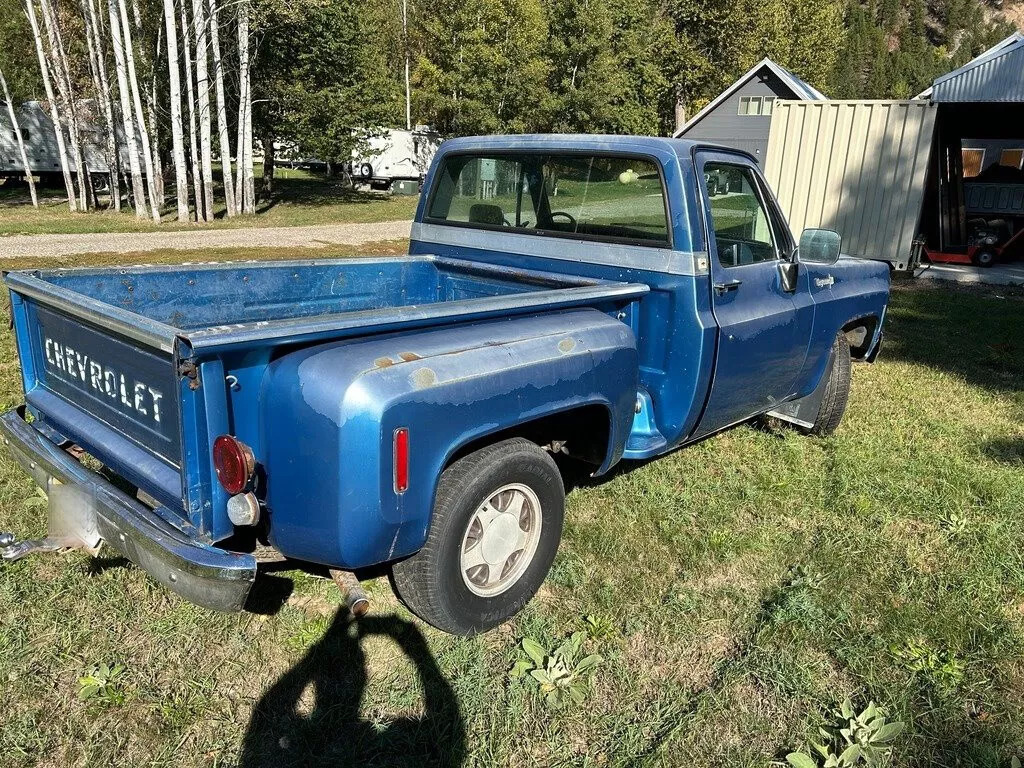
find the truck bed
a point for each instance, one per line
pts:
(219, 305)
(122, 361)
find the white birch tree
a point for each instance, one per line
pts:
(29, 179)
(154, 124)
(246, 182)
(127, 116)
(98, 70)
(203, 106)
(65, 91)
(136, 99)
(190, 91)
(177, 131)
(44, 71)
(222, 112)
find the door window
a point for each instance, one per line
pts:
(739, 221)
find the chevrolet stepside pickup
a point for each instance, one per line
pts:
(595, 297)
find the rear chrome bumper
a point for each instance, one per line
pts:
(202, 574)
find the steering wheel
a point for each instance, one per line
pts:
(571, 219)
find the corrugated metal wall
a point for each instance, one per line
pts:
(857, 167)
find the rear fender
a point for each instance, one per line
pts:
(330, 414)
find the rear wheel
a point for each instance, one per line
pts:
(496, 524)
(837, 389)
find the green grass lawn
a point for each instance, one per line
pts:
(300, 199)
(740, 589)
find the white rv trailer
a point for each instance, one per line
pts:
(395, 155)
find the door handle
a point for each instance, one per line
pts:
(732, 285)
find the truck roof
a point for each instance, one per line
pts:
(573, 141)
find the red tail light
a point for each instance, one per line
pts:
(401, 460)
(234, 463)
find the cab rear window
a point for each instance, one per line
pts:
(592, 197)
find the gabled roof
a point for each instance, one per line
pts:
(995, 75)
(801, 90)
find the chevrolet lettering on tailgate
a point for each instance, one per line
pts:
(139, 396)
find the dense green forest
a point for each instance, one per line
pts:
(322, 67)
(483, 66)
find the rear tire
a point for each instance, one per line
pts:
(837, 389)
(505, 502)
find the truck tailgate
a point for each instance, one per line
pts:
(114, 380)
(96, 386)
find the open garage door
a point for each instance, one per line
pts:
(858, 167)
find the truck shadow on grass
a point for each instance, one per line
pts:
(310, 715)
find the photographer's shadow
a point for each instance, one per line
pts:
(323, 728)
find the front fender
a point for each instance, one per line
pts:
(330, 413)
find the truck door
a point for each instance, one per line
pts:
(763, 330)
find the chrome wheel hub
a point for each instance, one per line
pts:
(500, 540)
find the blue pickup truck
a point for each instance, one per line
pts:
(595, 298)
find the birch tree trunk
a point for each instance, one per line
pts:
(222, 112)
(124, 90)
(98, 69)
(44, 70)
(203, 95)
(62, 72)
(247, 188)
(21, 141)
(136, 96)
(154, 126)
(197, 181)
(177, 132)
(405, 51)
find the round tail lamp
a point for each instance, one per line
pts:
(234, 462)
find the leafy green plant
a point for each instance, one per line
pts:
(940, 668)
(102, 683)
(598, 627)
(559, 674)
(802, 577)
(864, 738)
(955, 523)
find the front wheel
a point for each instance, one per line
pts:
(984, 257)
(495, 529)
(837, 389)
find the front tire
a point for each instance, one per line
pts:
(495, 529)
(984, 257)
(837, 389)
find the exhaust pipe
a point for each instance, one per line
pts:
(356, 601)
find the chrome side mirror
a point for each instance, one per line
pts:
(818, 246)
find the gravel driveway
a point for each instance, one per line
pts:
(319, 236)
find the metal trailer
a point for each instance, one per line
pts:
(856, 167)
(41, 144)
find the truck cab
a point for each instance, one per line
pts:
(565, 298)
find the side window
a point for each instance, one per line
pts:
(739, 221)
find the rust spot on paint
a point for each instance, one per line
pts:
(566, 345)
(409, 356)
(423, 378)
(383, 362)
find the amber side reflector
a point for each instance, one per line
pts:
(401, 459)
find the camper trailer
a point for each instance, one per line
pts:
(41, 145)
(395, 160)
